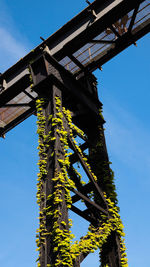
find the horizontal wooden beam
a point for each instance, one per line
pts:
(84, 216)
(16, 105)
(102, 42)
(87, 188)
(92, 203)
(29, 95)
(76, 61)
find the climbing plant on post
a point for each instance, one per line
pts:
(57, 178)
(53, 235)
(99, 162)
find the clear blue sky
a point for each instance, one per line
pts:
(125, 92)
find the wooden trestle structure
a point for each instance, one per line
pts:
(61, 68)
(81, 99)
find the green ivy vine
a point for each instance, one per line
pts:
(65, 249)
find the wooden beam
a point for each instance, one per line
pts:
(83, 189)
(86, 189)
(121, 44)
(75, 34)
(97, 188)
(84, 216)
(65, 80)
(76, 61)
(47, 253)
(102, 42)
(16, 105)
(133, 17)
(74, 158)
(29, 95)
(92, 203)
(115, 31)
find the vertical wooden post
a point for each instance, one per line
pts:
(99, 162)
(47, 254)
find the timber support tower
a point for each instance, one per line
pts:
(55, 82)
(68, 111)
